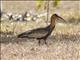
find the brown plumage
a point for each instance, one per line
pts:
(41, 33)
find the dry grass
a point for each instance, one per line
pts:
(63, 44)
(57, 49)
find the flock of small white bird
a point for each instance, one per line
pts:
(27, 16)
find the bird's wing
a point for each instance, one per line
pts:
(24, 34)
(36, 33)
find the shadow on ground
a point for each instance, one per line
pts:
(10, 38)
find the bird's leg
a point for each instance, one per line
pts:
(45, 41)
(39, 42)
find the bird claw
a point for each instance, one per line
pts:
(39, 42)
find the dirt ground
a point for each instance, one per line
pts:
(63, 44)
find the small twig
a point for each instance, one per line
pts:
(47, 12)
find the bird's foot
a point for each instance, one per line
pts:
(39, 42)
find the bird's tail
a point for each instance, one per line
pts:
(21, 35)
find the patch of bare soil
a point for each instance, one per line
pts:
(59, 47)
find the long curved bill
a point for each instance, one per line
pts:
(61, 18)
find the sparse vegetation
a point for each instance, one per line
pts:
(63, 44)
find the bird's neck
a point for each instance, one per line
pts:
(52, 27)
(53, 21)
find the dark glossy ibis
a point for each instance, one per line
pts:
(41, 33)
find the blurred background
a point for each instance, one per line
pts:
(19, 16)
(36, 13)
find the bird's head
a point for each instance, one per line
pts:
(55, 17)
